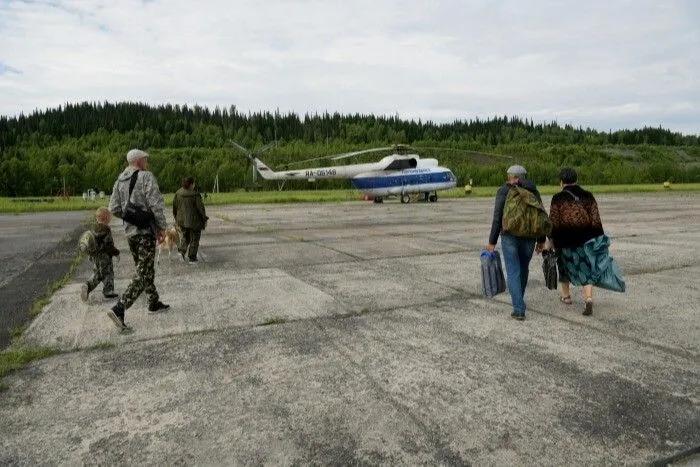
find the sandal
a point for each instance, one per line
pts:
(565, 300)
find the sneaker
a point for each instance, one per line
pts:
(518, 316)
(183, 258)
(110, 295)
(116, 319)
(158, 307)
(589, 308)
(84, 292)
(193, 261)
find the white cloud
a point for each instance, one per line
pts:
(603, 64)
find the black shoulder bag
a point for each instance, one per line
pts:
(134, 214)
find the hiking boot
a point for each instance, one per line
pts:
(518, 316)
(110, 295)
(157, 307)
(116, 314)
(589, 308)
(84, 292)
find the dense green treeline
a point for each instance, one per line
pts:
(83, 146)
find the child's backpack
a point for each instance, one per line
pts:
(524, 216)
(87, 243)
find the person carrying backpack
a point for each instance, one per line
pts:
(98, 244)
(523, 225)
(137, 200)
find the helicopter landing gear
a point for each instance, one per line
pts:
(378, 199)
(405, 199)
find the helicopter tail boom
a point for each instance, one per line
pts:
(264, 171)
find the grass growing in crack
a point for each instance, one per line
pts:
(98, 346)
(274, 320)
(55, 286)
(17, 331)
(15, 358)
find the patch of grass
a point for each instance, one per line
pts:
(41, 302)
(4, 387)
(22, 205)
(271, 321)
(15, 358)
(17, 331)
(98, 346)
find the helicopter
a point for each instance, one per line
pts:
(400, 174)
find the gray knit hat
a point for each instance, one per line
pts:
(516, 170)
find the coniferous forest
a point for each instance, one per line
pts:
(82, 146)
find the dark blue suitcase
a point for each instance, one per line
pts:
(492, 279)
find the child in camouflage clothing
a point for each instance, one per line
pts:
(102, 258)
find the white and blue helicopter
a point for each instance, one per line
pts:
(400, 174)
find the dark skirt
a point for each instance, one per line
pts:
(574, 266)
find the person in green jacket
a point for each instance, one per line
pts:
(190, 217)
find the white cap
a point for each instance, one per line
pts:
(135, 154)
(516, 170)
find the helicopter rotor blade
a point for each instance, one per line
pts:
(339, 156)
(464, 151)
(305, 161)
(265, 147)
(357, 153)
(240, 148)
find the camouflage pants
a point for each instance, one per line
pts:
(102, 272)
(189, 240)
(143, 249)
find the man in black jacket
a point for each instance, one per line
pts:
(517, 251)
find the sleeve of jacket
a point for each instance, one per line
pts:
(200, 209)
(175, 201)
(115, 202)
(594, 214)
(554, 217)
(497, 223)
(539, 198)
(154, 199)
(109, 245)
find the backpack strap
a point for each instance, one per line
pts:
(576, 198)
(132, 183)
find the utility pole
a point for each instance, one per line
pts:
(215, 189)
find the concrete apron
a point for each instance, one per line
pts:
(386, 352)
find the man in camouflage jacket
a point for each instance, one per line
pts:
(142, 241)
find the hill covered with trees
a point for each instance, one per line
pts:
(83, 145)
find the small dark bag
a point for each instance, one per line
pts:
(549, 267)
(136, 215)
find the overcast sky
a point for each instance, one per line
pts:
(605, 64)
